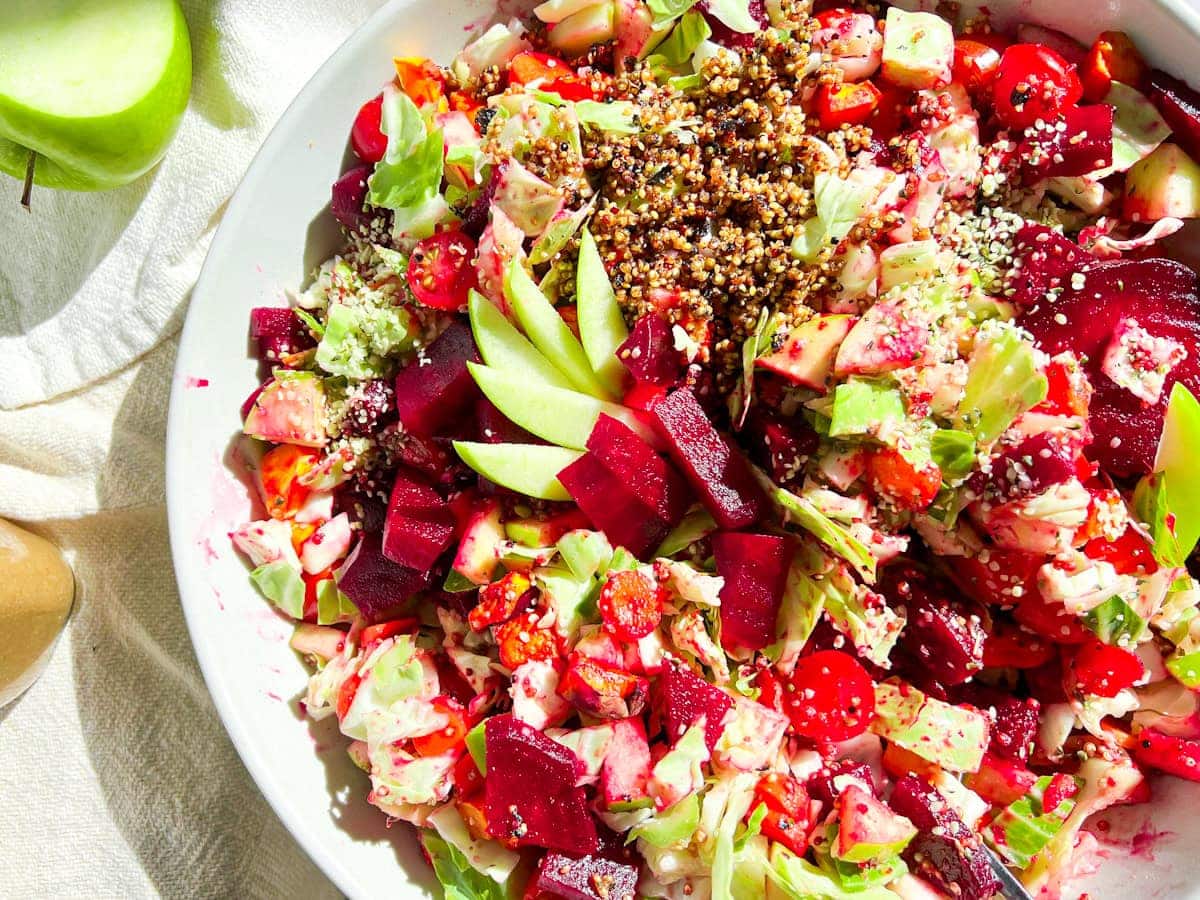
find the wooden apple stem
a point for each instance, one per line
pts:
(27, 193)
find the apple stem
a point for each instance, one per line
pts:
(28, 191)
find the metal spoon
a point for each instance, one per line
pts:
(1010, 887)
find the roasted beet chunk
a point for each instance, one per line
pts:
(278, 332)
(755, 568)
(717, 472)
(420, 524)
(945, 851)
(435, 389)
(613, 505)
(685, 697)
(1179, 105)
(649, 353)
(376, 585)
(944, 635)
(634, 461)
(1084, 145)
(781, 445)
(1031, 467)
(831, 779)
(530, 792)
(1047, 261)
(368, 408)
(1100, 303)
(348, 196)
(586, 878)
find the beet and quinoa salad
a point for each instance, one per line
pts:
(745, 451)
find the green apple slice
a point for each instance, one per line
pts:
(601, 325)
(529, 469)
(95, 89)
(1175, 459)
(561, 417)
(549, 333)
(503, 347)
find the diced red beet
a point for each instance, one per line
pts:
(349, 195)
(827, 782)
(649, 353)
(755, 568)
(685, 697)
(435, 389)
(1062, 44)
(278, 332)
(781, 445)
(586, 878)
(1161, 295)
(944, 636)
(1179, 104)
(1015, 727)
(497, 428)
(1047, 260)
(613, 506)
(1031, 467)
(530, 792)
(420, 524)
(476, 218)
(375, 584)
(365, 510)
(634, 461)
(945, 851)
(369, 408)
(1085, 145)
(717, 471)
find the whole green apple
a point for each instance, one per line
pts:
(92, 89)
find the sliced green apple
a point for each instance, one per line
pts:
(1175, 459)
(529, 469)
(504, 347)
(1165, 183)
(95, 89)
(807, 355)
(562, 417)
(601, 325)
(549, 333)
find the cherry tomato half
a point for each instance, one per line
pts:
(441, 270)
(551, 73)
(630, 605)
(1104, 670)
(789, 818)
(1113, 57)
(846, 104)
(829, 697)
(904, 485)
(1033, 82)
(977, 59)
(366, 137)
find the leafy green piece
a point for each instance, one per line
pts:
(1003, 382)
(861, 406)
(828, 532)
(691, 31)
(571, 597)
(614, 117)
(954, 453)
(458, 879)
(799, 613)
(873, 629)
(410, 172)
(1186, 668)
(477, 746)
(798, 879)
(362, 341)
(734, 13)
(281, 583)
(673, 827)
(1025, 827)
(396, 674)
(1115, 622)
(752, 348)
(697, 523)
(840, 203)
(953, 737)
(585, 552)
(666, 10)
(333, 605)
(741, 795)
(1150, 507)
(1176, 462)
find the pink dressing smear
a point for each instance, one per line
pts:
(193, 382)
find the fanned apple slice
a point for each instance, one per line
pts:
(601, 325)
(529, 469)
(561, 417)
(549, 333)
(504, 348)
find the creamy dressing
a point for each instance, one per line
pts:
(37, 589)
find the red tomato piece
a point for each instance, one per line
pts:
(846, 104)
(522, 639)
(441, 270)
(501, 600)
(770, 691)
(366, 136)
(551, 73)
(1175, 755)
(1009, 647)
(1004, 578)
(630, 605)
(829, 697)
(1130, 554)
(1061, 787)
(896, 479)
(1103, 670)
(1113, 57)
(346, 694)
(790, 813)
(1069, 393)
(467, 777)
(278, 474)
(1051, 621)
(977, 60)
(448, 738)
(889, 116)
(1033, 82)
(374, 634)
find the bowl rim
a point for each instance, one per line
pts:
(253, 756)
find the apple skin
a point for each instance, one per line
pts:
(105, 151)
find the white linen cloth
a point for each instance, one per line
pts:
(116, 776)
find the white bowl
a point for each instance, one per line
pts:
(275, 231)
